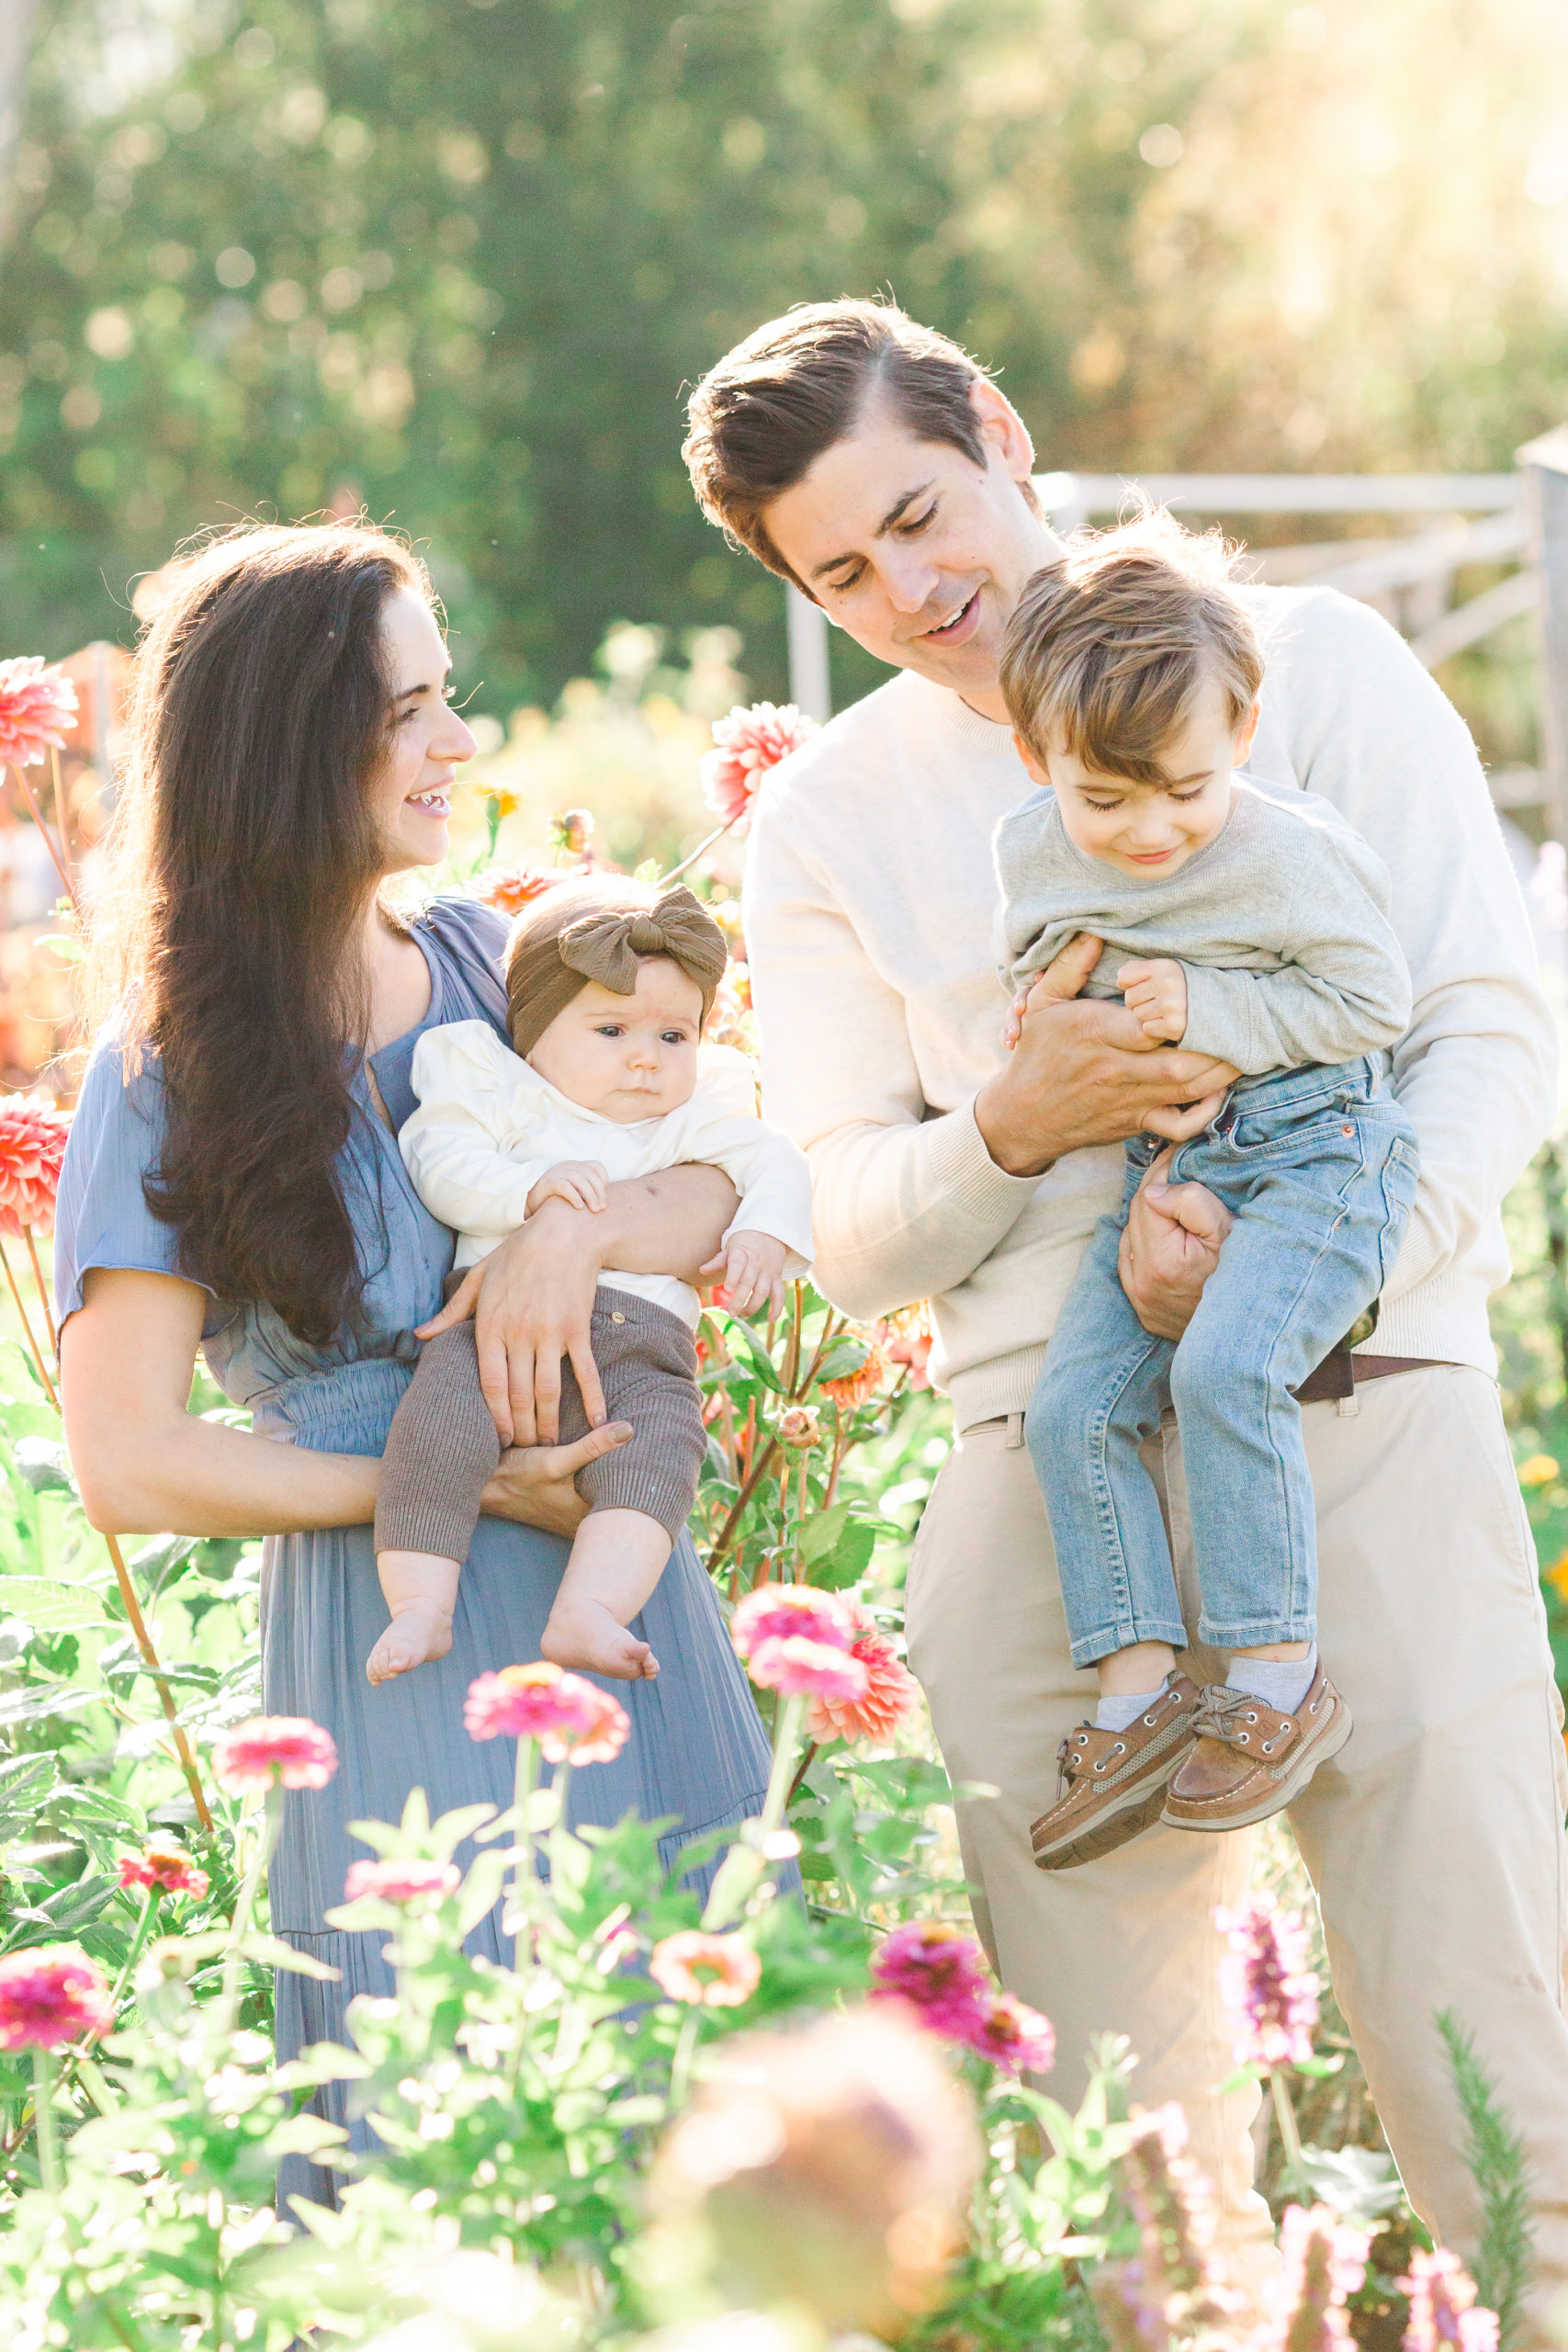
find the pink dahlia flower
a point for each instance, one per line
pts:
(512, 888)
(714, 1972)
(38, 704)
(406, 1881)
(289, 1749)
(573, 1720)
(799, 1668)
(891, 1691)
(1014, 2036)
(934, 1969)
(778, 1611)
(167, 1868)
(50, 1996)
(32, 1145)
(746, 745)
(1443, 2309)
(1266, 1983)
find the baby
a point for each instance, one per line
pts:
(1248, 922)
(608, 986)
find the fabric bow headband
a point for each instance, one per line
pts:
(564, 940)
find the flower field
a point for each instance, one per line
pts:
(747, 2125)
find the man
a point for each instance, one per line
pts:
(873, 463)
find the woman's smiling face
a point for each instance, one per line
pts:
(426, 740)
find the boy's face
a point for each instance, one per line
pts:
(1152, 829)
(628, 1058)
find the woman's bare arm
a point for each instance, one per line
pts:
(144, 1463)
(532, 1299)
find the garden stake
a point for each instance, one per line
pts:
(806, 1762)
(61, 821)
(39, 1366)
(33, 810)
(44, 2119)
(42, 1294)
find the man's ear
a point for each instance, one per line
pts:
(1002, 428)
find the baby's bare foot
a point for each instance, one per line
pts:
(586, 1637)
(419, 1630)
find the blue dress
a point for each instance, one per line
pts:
(697, 1749)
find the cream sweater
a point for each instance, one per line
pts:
(869, 913)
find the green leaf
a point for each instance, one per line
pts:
(50, 1607)
(44, 1465)
(744, 1343)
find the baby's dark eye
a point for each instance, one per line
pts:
(608, 1029)
(674, 1038)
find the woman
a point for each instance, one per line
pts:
(233, 1181)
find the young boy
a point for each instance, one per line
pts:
(608, 986)
(1252, 925)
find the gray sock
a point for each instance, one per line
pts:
(1114, 1713)
(1280, 1682)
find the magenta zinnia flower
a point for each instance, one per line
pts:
(747, 744)
(51, 1996)
(714, 1972)
(32, 1145)
(778, 1611)
(1443, 2309)
(289, 1749)
(937, 1970)
(1267, 1985)
(38, 703)
(1012, 2035)
(168, 1868)
(573, 1720)
(405, 1880)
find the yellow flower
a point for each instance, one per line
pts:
(1556, 1576)
(1538, 1470)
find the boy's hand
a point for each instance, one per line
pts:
(753, 1265)
(581, 1183)
(1062, 978)
(1157, 992)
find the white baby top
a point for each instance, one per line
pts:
(488, 1126)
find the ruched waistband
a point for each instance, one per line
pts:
(346, 1408)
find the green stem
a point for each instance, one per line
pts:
(522, 1878)
(787, 1739)
(685, 2050)
(43, 2118)
(149, 1905)
(235, 1958)
(1285, 2117)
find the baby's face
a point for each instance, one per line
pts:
(1152, 829)
(628, 1058)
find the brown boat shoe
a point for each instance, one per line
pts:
(1249, 1761)
(1110, 1784)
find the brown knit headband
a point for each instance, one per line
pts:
(574, 934)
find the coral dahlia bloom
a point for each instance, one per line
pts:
(289, 1749)
(746, 745)
(854, 1388)
(32, 1145)
(38, 704)
(936, 1969)
(799, 1668)
(404, 1881)
(512, 888)
(167, 1868)
(891, 1691)
(777, 1612)
(1443, 2309)
(714, 1972)
(50, 1996)
(907, 1338)
(1266, 1985)
(1016, 2037)
(573, 1720)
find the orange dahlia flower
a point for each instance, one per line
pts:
(711, 1971)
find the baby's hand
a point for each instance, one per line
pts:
(1157, 992)
(752, 1266)
(584, 1183)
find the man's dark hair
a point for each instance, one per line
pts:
(765, 413)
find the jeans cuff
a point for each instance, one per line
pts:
(1094, 1646)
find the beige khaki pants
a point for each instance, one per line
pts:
(1435, 1839)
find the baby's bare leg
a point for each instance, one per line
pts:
(617, 1558)
(420, 1590)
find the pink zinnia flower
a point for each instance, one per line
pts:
(747, 744)
(778, 1611)
(1267, 1985)
(512, 888)
(799, 1668)
(573, 1720)
(717, 1971)
(891, 1692)
(32, 1145)
(51, 1996)
(38, 704)
(934, 1969)
(1324, 2260)
(168, 1868)
(289, 1749)
(854, 1388)
(1012, 2035)
(1443, 2309)
(405, 1880)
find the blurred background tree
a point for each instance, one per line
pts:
(459, 258)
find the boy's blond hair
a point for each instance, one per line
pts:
(1109, 643)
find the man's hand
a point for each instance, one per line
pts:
(1084, 1072)
(581, 1183)
(537, 1483)
(1157, 992)
(532, 1301)
(752, 1266)
(1170, 1246)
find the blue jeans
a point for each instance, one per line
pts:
(1318, 1167)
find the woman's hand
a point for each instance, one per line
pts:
(536, 1484)
(532, 1301)
(1170, 1246)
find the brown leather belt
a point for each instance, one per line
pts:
(1340, 1374)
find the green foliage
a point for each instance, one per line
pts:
(1496, 2154)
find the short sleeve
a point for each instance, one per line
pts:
(101, 1216)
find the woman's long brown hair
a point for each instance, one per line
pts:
(245, 850)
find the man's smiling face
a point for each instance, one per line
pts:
(915, 550)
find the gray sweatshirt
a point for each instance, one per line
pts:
(1280, 923)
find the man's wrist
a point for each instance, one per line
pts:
(1015, 1145)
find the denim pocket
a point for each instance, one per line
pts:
(1401, 1172)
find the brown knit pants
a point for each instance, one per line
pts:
(442, 1450)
